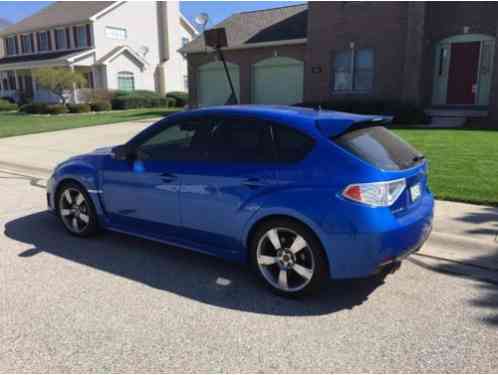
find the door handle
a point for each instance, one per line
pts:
(168, 177)
(254, 183)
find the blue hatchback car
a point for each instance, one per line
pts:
(301, 195)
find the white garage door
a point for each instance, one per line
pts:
(213, 87)
(278, 80)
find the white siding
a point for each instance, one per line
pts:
(141, 23)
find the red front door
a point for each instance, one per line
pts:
(462, 79)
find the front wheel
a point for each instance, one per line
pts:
(76, 211)
(288, 258)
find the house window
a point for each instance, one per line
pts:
(27, 43)
(61, 39)
(116, 33)
(44, 43)
(11, 45)
(353, 70)
(185, 41)
(81, 36)
(12, 80)
(126, 81)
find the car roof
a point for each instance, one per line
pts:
(329, 123)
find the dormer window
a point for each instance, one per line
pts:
(61, 39)
(44, 42)
(82, 36)
(27, 43)
(11, 46)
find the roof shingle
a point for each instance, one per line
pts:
(59, 13)
(268, 25)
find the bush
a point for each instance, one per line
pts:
(8, 99)
(78, 108)
(138, 99)
(34, 108)
(56, 109)
(7, 106)
(402, 113)
(180, 97)
(100, 106)
(96, 95)
(44, 109)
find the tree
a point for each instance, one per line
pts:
(58, 80)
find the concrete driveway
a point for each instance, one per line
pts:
(119, 304)
(41, 152)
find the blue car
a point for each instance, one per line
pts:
(302, 195)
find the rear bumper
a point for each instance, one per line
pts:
(389, 240)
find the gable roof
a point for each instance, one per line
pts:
(59, 13)
(262, 26)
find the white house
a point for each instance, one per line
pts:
(116, 44)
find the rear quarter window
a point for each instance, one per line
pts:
(292, 146)
(380, 147)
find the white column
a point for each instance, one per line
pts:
(18, 89)
(75, 95)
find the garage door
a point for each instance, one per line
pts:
(213, 87)
(278, 80)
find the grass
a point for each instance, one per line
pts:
(14, 123)
(463, 164)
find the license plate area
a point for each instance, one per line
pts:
(415, 192)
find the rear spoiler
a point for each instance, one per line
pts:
(335, 129)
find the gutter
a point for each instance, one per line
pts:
(277, 43)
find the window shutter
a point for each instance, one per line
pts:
(68, 38)
(31, 36)
(38, 41)
(88, 35)
(75, 36)
(49, 36)
(16, 43)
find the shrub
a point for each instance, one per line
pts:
(56, 109)
(34, 108)
(7, 106)
(100, 106)
(8, 99)
(78, 108)
(138, 99)
(180, 97)
(96, 95)
(44, 109)
(402, 113)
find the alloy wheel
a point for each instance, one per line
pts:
(74, 210)
(285, 259)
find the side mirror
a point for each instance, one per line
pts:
(123, 152)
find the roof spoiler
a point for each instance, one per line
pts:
(340, 127)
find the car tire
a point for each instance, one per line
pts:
(76, 211)
(288, 258)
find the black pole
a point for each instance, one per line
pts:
(233, 97)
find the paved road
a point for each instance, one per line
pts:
(116, 303)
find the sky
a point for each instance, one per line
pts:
(14, 11)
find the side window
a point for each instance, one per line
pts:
(292, 146)
(179, 142)
(241, 140)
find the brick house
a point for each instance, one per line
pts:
(437, 55)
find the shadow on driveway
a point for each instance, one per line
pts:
(188, 274)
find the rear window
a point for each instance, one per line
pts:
(380, 147)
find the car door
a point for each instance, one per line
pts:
(142, 195)
(220, 195)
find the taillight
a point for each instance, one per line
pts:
(376, 194)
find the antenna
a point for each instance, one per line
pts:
(202, 19)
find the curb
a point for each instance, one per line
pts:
(462, 249)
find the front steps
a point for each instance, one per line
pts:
(452, 118)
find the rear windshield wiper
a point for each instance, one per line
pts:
(418, 158)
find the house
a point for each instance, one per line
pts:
(115, 44)
(437, 55)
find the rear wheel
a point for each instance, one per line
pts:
(288, 258)
(76, 211)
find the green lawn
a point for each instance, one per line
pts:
(463, 164)
(13, 123)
